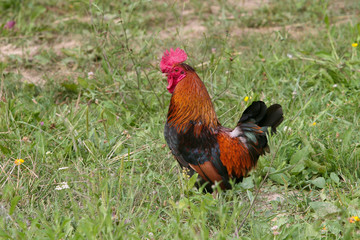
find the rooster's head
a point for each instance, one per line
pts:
(171, 65)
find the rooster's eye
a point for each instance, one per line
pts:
(182, 72)
(176, 70)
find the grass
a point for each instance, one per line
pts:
(82, 102)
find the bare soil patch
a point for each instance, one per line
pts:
(295, 30)
(250, 5)
(33, 75)
(66, 43)
(9, 49)
(194, 29)
(32, 50)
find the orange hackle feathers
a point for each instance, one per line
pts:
(191, 102)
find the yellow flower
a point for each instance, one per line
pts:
(354, 219)
(354, 44)
(185, 173)
(246, 98)
(19, 161)
(314, 123)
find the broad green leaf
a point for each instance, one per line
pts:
(335, 227)
(72, 87)
(323, 209)
(250, 195)
(319, 182)
(315, 166)
(298, 168)
(280, 178)
(300, 155)
(191, 182)
(13, 204)
(334, 177)
(4, 150)
(311, 231)
(83, 82)
(247, 183)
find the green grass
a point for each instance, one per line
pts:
(102, 134)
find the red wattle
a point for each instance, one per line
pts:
(170, 86)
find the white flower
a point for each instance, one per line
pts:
(62, 168)
(48, 153)
(286, 128)
(289, 55)
(335, 85)
(276, 227)
(90, 75)
(62, 186)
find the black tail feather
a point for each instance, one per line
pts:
(273, 117)
(262, 116)
(254, 113)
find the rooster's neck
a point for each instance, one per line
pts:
(191, 105)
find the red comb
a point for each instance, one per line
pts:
(172, 57)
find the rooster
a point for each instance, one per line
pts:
(196, 138)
